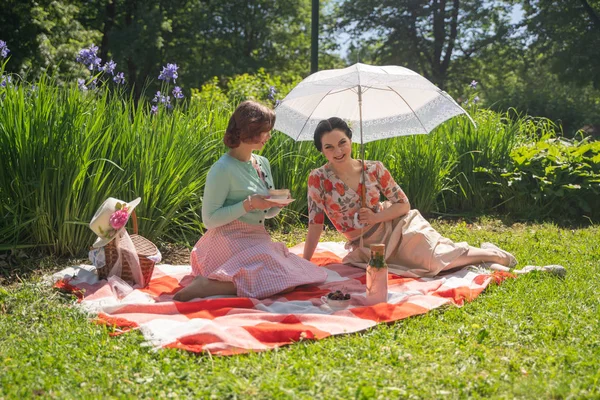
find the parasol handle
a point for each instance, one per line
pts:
(363, 186)
(363, 189)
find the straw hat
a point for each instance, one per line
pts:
(112, 215)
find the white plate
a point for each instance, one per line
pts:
(284, 202)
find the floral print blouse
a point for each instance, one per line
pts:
(329, 194)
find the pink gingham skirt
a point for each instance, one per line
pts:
(245, 255)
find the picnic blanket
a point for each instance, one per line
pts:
(227, 325)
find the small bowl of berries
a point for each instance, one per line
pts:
(338, 300)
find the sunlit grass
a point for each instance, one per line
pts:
(534, 337)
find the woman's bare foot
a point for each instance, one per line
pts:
(505, 258)
(193, 290)
(204, 287)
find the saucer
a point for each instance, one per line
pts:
(284, 202)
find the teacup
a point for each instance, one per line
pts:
(279, 193)
(335, 304)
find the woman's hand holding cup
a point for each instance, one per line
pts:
(262, 202)
(279, 194)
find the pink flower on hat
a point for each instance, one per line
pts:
(118, 219)
(111, 217)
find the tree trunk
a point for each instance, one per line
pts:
(109, 21)
(440, 60)
(130, 7)
(424, 63)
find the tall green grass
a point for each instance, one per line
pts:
(475, 153)
(291, 163)
(418, 165)
(63, 151)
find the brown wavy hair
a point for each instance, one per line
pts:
(248, 121)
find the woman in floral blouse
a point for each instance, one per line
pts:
(413, 247)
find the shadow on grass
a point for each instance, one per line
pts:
(24, 264)
(19, 265)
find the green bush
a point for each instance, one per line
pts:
(553, 177)
(261, 86)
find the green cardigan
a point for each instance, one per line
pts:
(228, 183)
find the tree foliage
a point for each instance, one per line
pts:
(567, 32)
(528, 85)
(425, 36)
(545, 65)
(205, 38)
(44, 36)
(523, 73)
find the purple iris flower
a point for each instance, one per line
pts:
(177, 93)
(154, 110)
(6, 79)
(157, 97)
(473, 84)
(89, 58)
(3, 49)
(166, 100)
(476, 100)
(119, 78)
(109, 67)
(169, 72)
(81, 84)
(272, 93)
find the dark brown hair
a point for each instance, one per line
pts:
(326, 126)
(248, 121)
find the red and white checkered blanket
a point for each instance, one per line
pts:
(233, 325)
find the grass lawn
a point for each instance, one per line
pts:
(535, 337)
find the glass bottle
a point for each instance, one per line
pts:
(377, 276)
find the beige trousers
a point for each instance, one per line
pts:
(412, 247)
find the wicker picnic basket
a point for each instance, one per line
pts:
(144, 249)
